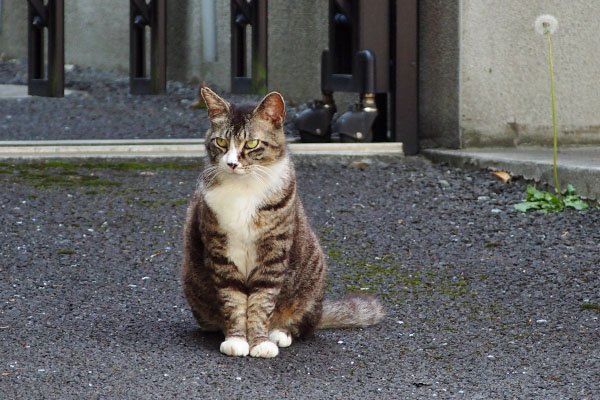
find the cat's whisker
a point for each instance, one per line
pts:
(208, 176)
(262, 179)
(264, 171)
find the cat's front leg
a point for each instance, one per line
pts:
(261, 303)
(260, 307)
(234, 308)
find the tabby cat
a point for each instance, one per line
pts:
(252, 266)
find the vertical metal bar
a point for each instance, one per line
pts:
(158, 49)
(406, 76)
(50, 17)
(35, 56)
(374, 34)
(259, 46)
(137, 65)
(238, 45)
(253, 13)
(56, 48)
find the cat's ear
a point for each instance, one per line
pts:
(271, 109)
(217, 107)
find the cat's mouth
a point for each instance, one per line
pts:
(237, 170)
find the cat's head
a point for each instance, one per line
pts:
(243, 138)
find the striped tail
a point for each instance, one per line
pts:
(353, 311)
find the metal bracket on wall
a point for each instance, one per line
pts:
(253, 13)
(153, 15)
(49, 17)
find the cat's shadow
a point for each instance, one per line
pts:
(192, 336)
(199, 338)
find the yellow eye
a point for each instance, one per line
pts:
(252, 143)
(221, 142)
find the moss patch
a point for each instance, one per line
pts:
(154, 204)
(590, 306)
(47, 180)
(118, 166)
(60, 173)
(388, 277)
(65, 252)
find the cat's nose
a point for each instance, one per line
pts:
(233, 165)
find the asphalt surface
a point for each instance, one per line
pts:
(482, 301)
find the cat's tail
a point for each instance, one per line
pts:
(353, 311)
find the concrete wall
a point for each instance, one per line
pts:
(185, 59)
(297, 36)
(500, 67)
(97, 33)
(439, 86)
(13, 29)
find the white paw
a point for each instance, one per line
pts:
(235, 347)
(280, 338)
(265, 349)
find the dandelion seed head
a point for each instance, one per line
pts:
(546, 24)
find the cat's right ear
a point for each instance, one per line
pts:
(217, 107)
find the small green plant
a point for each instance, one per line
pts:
(541, 200)
(547, 202)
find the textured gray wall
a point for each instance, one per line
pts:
(97, 33)
(13, 36)
(439, 101)
(505, 84)
(484, 75)
(297, 36)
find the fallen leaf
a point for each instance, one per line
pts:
(359, 164)
(502, 175)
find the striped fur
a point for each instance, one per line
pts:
(253, 268)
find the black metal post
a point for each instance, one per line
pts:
(240, 17)
(154, 15)
(405, 90)
(253, 13)
(50, 17)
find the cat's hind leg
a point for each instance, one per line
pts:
(280, 337)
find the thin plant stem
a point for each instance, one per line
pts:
(555, 141)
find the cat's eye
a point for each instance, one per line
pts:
(252, 143)
(221, 142)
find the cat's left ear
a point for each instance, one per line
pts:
(271, 109)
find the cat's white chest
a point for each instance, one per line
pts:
(235, 208)
(235, 203)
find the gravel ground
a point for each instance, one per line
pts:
(483, 302)
(104, 109)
